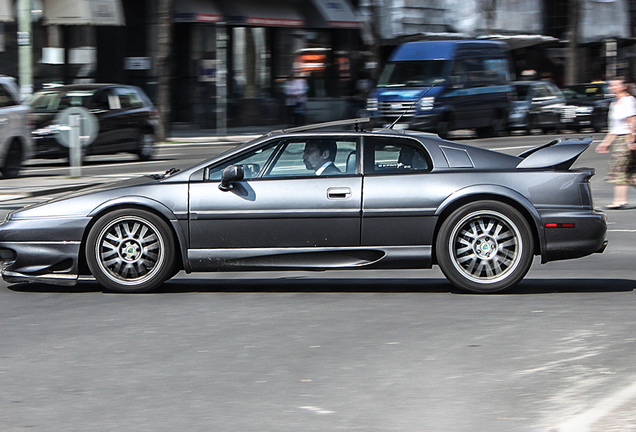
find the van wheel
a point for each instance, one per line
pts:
(498, 127)
(443, 128)
(12, 161)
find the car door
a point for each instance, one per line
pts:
(398, 203)
(107, 108)
(280, 207)
(6, 101)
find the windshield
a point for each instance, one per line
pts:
(413, 73)
(54, 101)
(522, 91)
(586, 92)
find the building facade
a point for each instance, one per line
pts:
(230, 58)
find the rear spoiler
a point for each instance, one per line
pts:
(558, 154)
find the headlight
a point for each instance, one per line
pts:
(584, 110)
(47, 130)
(427, 103)
(372, 104)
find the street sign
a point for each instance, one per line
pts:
(88, 126)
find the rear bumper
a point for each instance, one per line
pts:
(573, 234)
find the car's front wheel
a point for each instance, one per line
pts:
(130, 250)
(485, 247)
(12, 161)
(146, 145)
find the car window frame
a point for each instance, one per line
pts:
(285, 143)
(368, 156)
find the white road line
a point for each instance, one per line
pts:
(622, 230)
(582, 422)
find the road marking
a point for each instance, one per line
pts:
(582, 422)
(622, 230)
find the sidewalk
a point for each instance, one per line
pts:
(25, 187)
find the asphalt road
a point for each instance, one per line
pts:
(330, 351)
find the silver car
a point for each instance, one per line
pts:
(15, 133)
(307, 200)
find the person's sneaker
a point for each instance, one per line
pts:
(617, 206)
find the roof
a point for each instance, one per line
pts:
(435, 50)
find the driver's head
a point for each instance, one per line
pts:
(318, 152)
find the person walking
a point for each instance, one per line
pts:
(296, 92)
(620, 137)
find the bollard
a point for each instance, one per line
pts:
(75, 147)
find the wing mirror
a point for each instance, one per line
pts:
(232, 173)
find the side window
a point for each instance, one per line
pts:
(474, 69)
(395, 155)
(101, 101)
(496, 71)
(5, 97)
(315, 156)
(253, 162)
(541, 91)
(128, 98)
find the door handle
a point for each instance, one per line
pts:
(339, 193)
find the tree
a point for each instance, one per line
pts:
(164, 69)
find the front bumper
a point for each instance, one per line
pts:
(573, 234)
(47, 147)
(41, 250)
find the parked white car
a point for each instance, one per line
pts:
(15, 129)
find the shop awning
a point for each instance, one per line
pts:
(197, 11)
(6, 11)
(334, 14)
(274, 13)
(84, 12)
(521, 41)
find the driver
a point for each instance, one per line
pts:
(319, 156)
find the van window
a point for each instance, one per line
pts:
(474, 70)
(496, 71)
(412, 73)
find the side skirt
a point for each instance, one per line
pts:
(380, 257)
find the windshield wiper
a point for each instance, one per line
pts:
(168, 173)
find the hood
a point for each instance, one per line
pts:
(406, 93)
(556, 154)
(80, 202)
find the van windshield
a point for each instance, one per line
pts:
(413, 73)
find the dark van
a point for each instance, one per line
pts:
(457, 85)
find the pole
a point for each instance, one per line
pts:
(221, 79)
(25, 51)
(572, 64)
(75, 147)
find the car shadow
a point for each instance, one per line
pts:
(345, 285)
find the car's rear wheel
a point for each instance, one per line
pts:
(485, 247)
(130, 250)
(146, 145)
(12, 161)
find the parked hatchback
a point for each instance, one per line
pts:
(127, 119)
(538, 105)
(15, 137)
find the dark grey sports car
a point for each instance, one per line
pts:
(308, 200)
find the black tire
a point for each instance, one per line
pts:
(12, 161)
(485, 247)
(443, 128)
(130, 250)
(145, 145)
